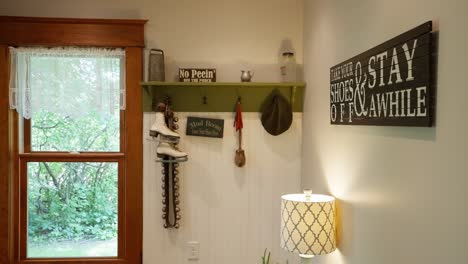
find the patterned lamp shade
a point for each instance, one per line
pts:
(308, 224)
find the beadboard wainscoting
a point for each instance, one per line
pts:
(233, 212)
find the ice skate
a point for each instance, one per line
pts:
(166, 149)
(160, 127)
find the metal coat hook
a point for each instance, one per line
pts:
(203, 91)
(239, 99)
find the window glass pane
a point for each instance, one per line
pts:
(72, 209)
(75, 103)
(91, 133)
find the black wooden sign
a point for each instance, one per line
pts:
(205, 127)
(197, 75)
(388, 85)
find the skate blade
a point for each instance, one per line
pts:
(164, 140)
(168, 139)
(155, 133)
(161, 158)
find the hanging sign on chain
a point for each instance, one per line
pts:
(389, 85)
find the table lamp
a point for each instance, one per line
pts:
(308, 224)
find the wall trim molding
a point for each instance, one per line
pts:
(16, 31)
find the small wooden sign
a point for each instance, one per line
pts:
(197, 75)
(389, 85)
(205, 127)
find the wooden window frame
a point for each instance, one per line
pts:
(27, 31)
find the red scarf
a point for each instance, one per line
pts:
(238, 120)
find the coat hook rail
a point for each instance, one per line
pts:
(193, 97)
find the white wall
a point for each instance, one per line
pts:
(233, 212)
(229, 35)
(402, 191)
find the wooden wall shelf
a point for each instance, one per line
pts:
(220, 96)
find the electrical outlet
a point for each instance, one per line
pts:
(193, 250)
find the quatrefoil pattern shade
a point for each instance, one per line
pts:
(308, 225)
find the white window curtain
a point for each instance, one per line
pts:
(72, 82)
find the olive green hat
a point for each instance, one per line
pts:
(277, 115)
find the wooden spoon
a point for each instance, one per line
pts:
(240, 154)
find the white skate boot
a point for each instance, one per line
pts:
(169, 150)
(159, 127)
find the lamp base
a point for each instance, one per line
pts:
(306, 259)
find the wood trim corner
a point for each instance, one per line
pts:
(134, 152)
(5, 166)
